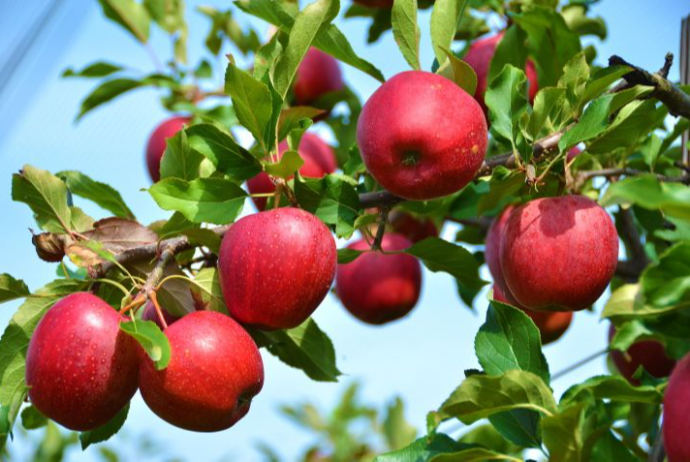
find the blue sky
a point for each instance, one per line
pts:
(420, 358)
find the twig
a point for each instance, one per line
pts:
(579, 364)
(381, 230)
(658, 454)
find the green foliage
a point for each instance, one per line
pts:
(107, 430)
(406, 31)
(152, 340)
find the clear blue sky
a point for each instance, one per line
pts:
(420, 358)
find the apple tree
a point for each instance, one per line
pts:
(554, 167)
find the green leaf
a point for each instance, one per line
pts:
(574, 79)
(459, 72)
(102, 194)
(130, 15)
(575, 15)
(212, 293)
(204, 200)
(253, 103)
(608, 447)
(406, 30)
(509, 340)
(105, 431)
(309, 23)
(98, 69)
(179, 159)
(562, 435)
(519, 426)
(627, 302)
(444, 23)
(11, 288)
(439, 255)
(510, 50)
(32, 418)
(550, 112)
(292, 117)
(152, 340)
(667, 282)
(348, 255)
(600, 81)
(46, 195)
(480, 396)
(397, 431)
(10, 410)
(220, 148)
(423, 449)
(287, 166)
(332, 199)
(612, 388)
(649, 193)
(473, 455)
(15, 339)
(205, 237)
(507, 102)
(168, 14)
(107, 91)
(305, 347)
(331, 41)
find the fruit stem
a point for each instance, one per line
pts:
(154, 299)
(381, 230)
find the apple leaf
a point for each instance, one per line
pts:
(472, 455)
(174, 296)
(94, 70)
(667, 282)
(480, 396)
(648, 192)
(348, 255)
(105, 431)
(9, 412)
(506, 99)
(440, 255)
(509, 50)
(444, 23)
(152, 340)
(610, 388)
(46, 195)
(331, 41)
(179, 159)
(120, 234)
(291, 118)
(129, 14)
(396, 429)
(101, 194)
(204, 200)
(460, 72)
(212, 294)
(32, 418)
(287, 166)
(406, 30)
(509, 340)
(305, 347)
(608, 447)
(15, 339)
(220, 148)
(205, 237)
(11, 288)
(600, 81)
(107, 91)
(519, 426)
(309, 23)
(423, 449)
(332, 199)
(574, 78)
(550, 112)
(563, 434)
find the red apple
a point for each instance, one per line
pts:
(558, 253)
(551, 325)
(649, 354)
(319, 160)
(421, 136)
(157, 143)
(276, 267)
(492, 253)
(479, 56)
(215, 370)
(677, 413)
(81, 369)
(317, 75)
(573, 153)
(413, 228)
(379, 288)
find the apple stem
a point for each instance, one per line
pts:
(381, 230)
(154, 299)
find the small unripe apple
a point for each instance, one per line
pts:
(214, 372)
(413, 228)
(318, 74)
(558, 253)
(157, 143)
(378, 288)
(479, 56)
(276, 267)
(421, 136)
(649, 354)
(677, 413)
(319, 160)
(551, 325)
(81, 369)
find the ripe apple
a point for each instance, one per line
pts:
(379, 288)
(156, 146)
(677, 413)
(81, 369)
(573, 153)
(479, 56)
(276, 267)
(215, 370)
(492, 253)
(318, 73)
(551, 325)
(413, 228)
(649, 354)
(319, 160)
(421, 136)
(558, 253)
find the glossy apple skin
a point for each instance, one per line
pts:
(421, 136)
(413, 228)
(378, 288)
(276, 267)
(558, 253)
(156, 145)
(551, 326)
(319, 160)
(649, 354)
(677, 413)
(479, 56)
(318, 73)
(573, 153)
(492, 252)
(215, 370)
(81, 369)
